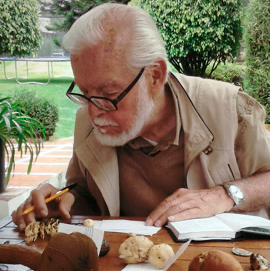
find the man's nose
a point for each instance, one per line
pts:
(94, 111)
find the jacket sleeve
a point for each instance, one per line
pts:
(252, 146)
(85, 203)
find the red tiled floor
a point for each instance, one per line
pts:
(52, 160)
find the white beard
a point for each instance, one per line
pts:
(145, 106)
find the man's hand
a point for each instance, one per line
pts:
(186, 204)
(61, 205)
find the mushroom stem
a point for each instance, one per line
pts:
(17, 254)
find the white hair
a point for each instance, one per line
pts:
(145, 44)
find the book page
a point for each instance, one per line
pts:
(203, 227)
(239, 221)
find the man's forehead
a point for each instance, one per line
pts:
(104, 85)
(99, 56)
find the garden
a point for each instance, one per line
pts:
(48, 103)
(226, 40)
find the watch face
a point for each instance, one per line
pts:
(236, 193)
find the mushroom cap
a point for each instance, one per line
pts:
(134, 249)
(89, 223)
(159, 255)
(214, 260)
(68, 252)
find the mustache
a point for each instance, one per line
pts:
(104, 122)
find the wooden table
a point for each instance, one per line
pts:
(111, 262)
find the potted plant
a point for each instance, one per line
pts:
(18, 132)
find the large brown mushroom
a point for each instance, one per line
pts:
(64, 252)
(214, 260)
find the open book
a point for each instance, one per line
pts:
(223, 226)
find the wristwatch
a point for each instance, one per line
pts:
(234, 192)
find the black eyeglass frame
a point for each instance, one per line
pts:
(114, 102)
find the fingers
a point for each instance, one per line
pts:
(36, 199)
(187, 214)
(157, 217)
(19, 219)
(65, 204)
(188, 204)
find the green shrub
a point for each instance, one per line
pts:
(197, 33)
(38, 108)
(20, 31)
(257, 44)
(230, 73)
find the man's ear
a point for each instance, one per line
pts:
(158, 73)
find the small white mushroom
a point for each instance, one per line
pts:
(88, 223)
(159, 255)
(135, 249)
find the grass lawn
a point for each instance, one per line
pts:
(54, 91)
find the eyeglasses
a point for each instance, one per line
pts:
(102, 103)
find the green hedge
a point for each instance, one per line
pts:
(197, 33)
(257, 39)
(20, 29)
(231, 73)
(38, 108)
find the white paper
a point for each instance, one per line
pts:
(95, 234)
(177, 254)
(140, 267)
(126, 226)
(149, 267)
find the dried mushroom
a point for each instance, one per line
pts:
(258, 262)
(215, 260)
(64, 252)
(158, 255)
(36, 229)
(32, 231)
(135, 249)
(105, 247)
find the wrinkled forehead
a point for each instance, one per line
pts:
(102, 57)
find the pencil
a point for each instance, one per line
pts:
(52, 197)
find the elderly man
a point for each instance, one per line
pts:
(151, 143)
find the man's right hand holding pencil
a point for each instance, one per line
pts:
(59, 203)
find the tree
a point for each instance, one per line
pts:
(198, 33)
(257, 49)
(71, 10)
(19, 32)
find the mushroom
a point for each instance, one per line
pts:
(88, 223)
(135, 249)
(214, 260)
(64, 252)
(159, 255)
(105, 247)
(258, 262)
(37, 228)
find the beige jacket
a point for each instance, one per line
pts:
(225, 139)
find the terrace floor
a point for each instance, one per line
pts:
(50, 166)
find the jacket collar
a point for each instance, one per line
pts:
(101, 162)
(198, 137)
